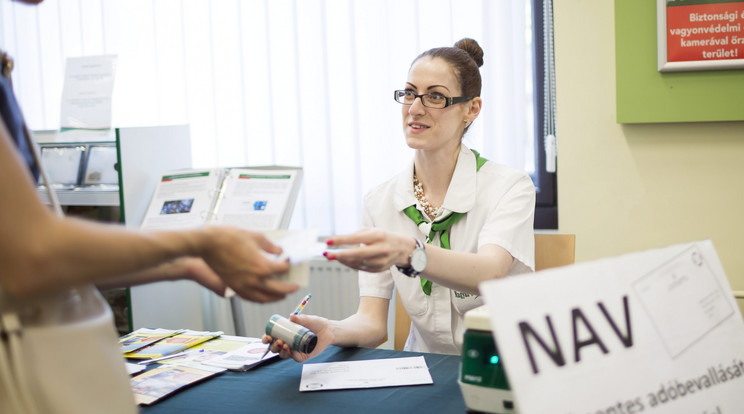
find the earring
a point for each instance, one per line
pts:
(467, 124)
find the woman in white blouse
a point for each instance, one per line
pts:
(449, 221)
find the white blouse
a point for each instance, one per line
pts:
(500, 206)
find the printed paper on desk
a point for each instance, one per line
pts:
(651, 332)
(236, 353)
(374, 373)
(244, 358)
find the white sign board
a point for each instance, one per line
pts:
(651, 332)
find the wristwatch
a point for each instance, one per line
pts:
(416, 262)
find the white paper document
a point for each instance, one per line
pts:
(243, 358)
(653, 332)
(87, 92)
(375, 373)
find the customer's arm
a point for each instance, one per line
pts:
(42, 252)
(185, 268)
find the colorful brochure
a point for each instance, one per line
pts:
(221, 348)
(143, 337)
(159, 382)
(173, 344)
(259, 198)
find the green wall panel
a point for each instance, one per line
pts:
(645, 95)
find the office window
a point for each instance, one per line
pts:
(545, 144)
(290, 82)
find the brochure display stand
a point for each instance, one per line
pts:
(252, 198)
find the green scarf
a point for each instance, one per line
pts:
(442, 226)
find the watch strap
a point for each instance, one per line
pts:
(409, 270)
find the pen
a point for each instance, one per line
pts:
(297, 311)
(180, 354)
(267, 349)
(302, 304)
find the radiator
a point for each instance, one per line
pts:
(335, 295)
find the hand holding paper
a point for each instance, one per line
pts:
(235, 256)
(299, 246)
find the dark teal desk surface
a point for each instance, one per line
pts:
(274, 388)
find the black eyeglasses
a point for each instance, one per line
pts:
(429, 100)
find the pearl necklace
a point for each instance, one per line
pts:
(418, 191)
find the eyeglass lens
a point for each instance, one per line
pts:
(429, 100)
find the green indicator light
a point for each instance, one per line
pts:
(495, 359)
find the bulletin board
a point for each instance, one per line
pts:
(645, 95)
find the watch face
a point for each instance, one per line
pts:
(418, 260)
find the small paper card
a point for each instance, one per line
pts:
(654, 332)
(300, 246)
(374, 373)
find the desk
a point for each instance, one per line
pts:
(274, 388)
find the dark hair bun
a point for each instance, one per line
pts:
(473, 49)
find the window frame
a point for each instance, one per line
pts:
(546, 206)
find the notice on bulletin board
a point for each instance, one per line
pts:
(700, 34)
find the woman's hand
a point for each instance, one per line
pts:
(316, 324)
(377, 250)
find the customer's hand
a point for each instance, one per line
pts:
(317, 325)
(240, 259)
(197, 270)
(375, 250)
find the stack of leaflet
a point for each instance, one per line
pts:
(157, 343)
(185, 357)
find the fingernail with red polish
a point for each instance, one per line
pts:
(329, 242)
(331, 257)
(325, 254)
